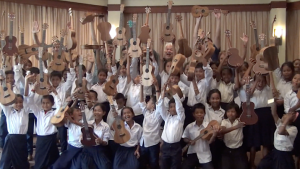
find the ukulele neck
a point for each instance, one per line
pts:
(256, 39)
(134, 31)
(147, 19)
(92, 30)
(22, 38)
(169, 16)
(181, 31)
(60, 47)
(80, 76)
(11, 29)
(229, 42)
(41, 69)
(44, 36)
(86, 128)
(121, 21)
(262, 43)
(147, 59)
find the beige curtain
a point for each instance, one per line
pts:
(293, 35)
(55, 17)
(237, 22)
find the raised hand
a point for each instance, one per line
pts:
(35, 28)
(244, 38)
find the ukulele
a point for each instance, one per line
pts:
(182, 42)
(42, 78)
(256, 47)
(45, 55)
(121, 134)
(168, 35)
(145, 30)
(207, 48)
(5, 60)
(234, 58)
(205, 134)
(58, 118)
(261, 66)
(104, 28)
(134, 49)
(176, 89)
(194, 61)
(58, 57)
(177, 64)
(22, 48)
(10, 47)
(248, 115)
(198, 11)
(80, 82)
(130, 25)
(147, 76)
(71, 40)
(7, 96)
(120, 37)
(88, 135)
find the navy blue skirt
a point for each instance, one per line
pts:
(125, 158)
(224, 105)
(99, 156)
(277, 160)
(261, 133)
(296, 150)
(69, 159)
(280, 111)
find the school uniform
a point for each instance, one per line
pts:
(102, 97)
(133, 99)
(184, 79)
(15, 151)
(281, 157)
(234, 156)
(213, 83)
(171, 135)
(149, 143)
(198, 153)
(125, 157)
(227, 92)
(89, 113)
(164, 77)
(122, 86)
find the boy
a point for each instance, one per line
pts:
(91, 100)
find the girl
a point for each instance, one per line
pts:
(234, 156)
(214, 66)
(296, 64)
(124, 77)
(128, 153)
(164, 71)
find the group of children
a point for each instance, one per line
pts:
(159, 120)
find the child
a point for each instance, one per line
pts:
(124, 77)
(149, 144)
(214, 66)
(15, 149)
(174, 120)
(296, 64)
(91, 99)
(183, 76)
(198, 151)
(234, 156)
(284, 136)
(128, 153)
(164, 71)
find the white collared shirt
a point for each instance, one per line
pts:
(151, 126)
(102, 97)
(290, 100)
(282, 86)
(136, 132)
(260, 97)
(110, 119)
(101, 130)
(213, 84)
(173, 123)
(184, 79)
(19, 86)
(203, 87)
(227, 91)
(163, 77)
(212, 114)
(201, 146)
(133, 98)
(122, 86)
(233, 139)
(89, 113)
(283, 142)
(74, 134)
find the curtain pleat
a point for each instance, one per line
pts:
(293, 35)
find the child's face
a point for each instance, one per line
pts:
(120, 102)
(286, 72)
(92, 99)
(199, 73)
(261, 82)
(168, 52)
(123, 70)
(296, 82)
(214, 68)
(76, 115)
(243, 70)
(215, 100)
(168, 66)
(231, 114)
(297, 65)
(199, 114)
(174, 80)
(27, 66)
(102, 77)
(55, 81)
(47, 104)
(33, 79)
(98, 113)
(19, 103)
(150, 104)
(226, 76)
(127, 115)
(137, 79)
(172, 108)
(10, 79)
(186, 70)
(224, 59)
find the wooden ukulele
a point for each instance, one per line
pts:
(71, 40)
(168, 34)
(182, 42)
(205, 134)
(7, 96)
(121, 134)
(194, 61)
(248, 115)
(80, 82)
(5, 60)
(147, 76)
(58, 118)
(134, 49)
(45, 55)
(173, 89)
(256, 47)
(120, 37)
(2, 33)
(22, 48)
(88, 135)
(234, 57)
(275, 92)
(145, 30)
(104, 28)
(42, 78)
(58, 57)
(10, 47)
(177, 64)
(207, 48)
(198, 11)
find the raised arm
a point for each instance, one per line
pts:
(217, 41)
(245, 42)
(128, 69)
(179, 108)
(196, 28)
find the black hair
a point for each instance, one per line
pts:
(165, 64)
(211, 92)
(93, 91)
(214, 63)
(199, 65)
(65, 70)
(103, 71)
(198, 106)
(225, 68)
(19, 95)
(290, 65)
(234, 106)
(102, 106)
(56, 74)
(119, 96)
(49, 97)
(124, 63)
(264, 77)
(171, 101)
(9, 72)
(129, 108)
(153, 98)
(34, 70)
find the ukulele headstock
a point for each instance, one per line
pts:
(170, 3)
(228, 33)
(55, 39)
(70, 12)
(262, 36)
(63, 33)
(148, 43)
(147, 10)
(178, 18)
(130, 24)
(122, 8)
(11, 16)
(253, 25)
(134, 18)
(45, 26)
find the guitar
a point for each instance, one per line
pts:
(234, 57)
(45, 55)
(71, 40)
(134, 49)
(80, 82)
(198, 11)
(168, 35)
(120, 37)
(147, 76)
(205, 134)
(121, 134)
(182, 42)
(104, 28)
(248, 115)
(58, 62)
(256, 47)
(7, 96)
(88, 135)
(42, 78)
(145, 30)
(10, 47)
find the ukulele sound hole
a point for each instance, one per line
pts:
(4, 88)
(120, 31)
(147, 70)
(119, 127)
(134, 43)
(205, 132)
(203, 11)
(42, 79)
(168, 27)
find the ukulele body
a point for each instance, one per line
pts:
(249, 118)
(91, 141)
(104, 28)
(270, 57)
(168, 33)
(25, 50)
(72, 43)
(177, 64)
(254, 52)
(58, 118)
(121, 134)
(260, 65)
(134, 49)
(58, 62)
(234, 58)
(83, 89)
(147, 77)
(42, 88)
(7, 96)
(13, 50)
(121, 37)
(184, 48)
(45, 56)
(208, 131)
(110, 87)
(144, 36)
